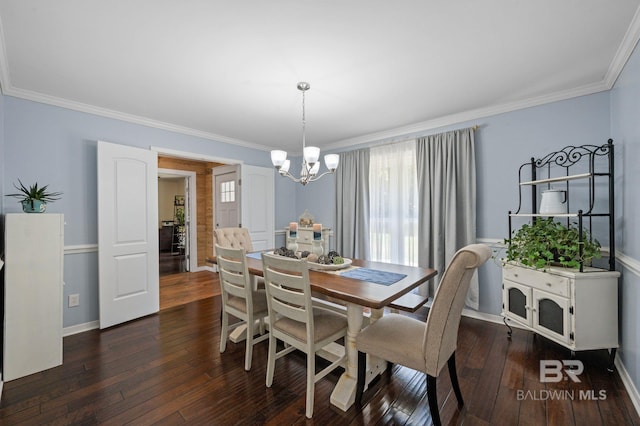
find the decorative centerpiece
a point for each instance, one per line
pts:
(34, 199)
(306, 219)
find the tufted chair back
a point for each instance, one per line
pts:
(236, 238)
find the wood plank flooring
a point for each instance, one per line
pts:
(180, 288)
(166, 369)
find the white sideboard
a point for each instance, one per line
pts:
(305, 238)
(578, 310)
(34, 249)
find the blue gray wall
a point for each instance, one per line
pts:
(58, 146)
(54, 145)
(625, 129)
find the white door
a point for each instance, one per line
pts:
(226, 195)
(127, 233)
(257, 192)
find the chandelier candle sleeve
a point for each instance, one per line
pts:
(317, 231)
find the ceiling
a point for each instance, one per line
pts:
(228, 71)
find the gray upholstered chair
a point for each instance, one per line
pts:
(396, 338)
(239, 299)
(295, 320)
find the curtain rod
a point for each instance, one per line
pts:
(405, 139)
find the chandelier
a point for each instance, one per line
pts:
(310, 155)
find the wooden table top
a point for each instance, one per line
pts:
(364, 293)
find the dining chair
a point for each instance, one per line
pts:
(240, 299)
(233, 238)
(295, 320)
(394, 337)
(236, 238)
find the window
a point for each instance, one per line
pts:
(393, 215)
(228, 192)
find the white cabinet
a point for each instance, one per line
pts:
(34, 245)
(305, 238)
(578, 310)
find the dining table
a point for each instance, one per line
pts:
(360, 285)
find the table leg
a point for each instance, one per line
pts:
(344, 394)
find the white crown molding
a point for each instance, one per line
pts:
(624, 51)
(425, 126)
(9, 90)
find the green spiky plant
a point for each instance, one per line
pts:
(33, 193)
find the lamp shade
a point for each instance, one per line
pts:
(285, 166)
(311, 154)
(315, 169)
(331, 161)
(278, 157)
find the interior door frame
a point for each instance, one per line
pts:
(193, 215)
(197, 157)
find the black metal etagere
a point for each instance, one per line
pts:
(567, 160)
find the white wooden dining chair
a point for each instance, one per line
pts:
(240, 299)
(295, 320)
(395, 337)
(237, 238)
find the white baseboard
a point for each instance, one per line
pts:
(628, 383)
(75, 329)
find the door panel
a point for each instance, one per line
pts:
(127, 233)
(258, 205)
(226, 196)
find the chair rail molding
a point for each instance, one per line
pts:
(633, 265)
(81, 248)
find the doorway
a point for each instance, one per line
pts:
(174, 217)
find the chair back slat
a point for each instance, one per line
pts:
(234, 273)
(287, 286)
(441, 331)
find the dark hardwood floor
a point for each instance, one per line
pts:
(166, 369)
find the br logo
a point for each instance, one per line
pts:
(553, 371)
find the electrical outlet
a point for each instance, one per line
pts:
(74, 300)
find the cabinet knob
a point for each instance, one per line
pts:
(548, 284)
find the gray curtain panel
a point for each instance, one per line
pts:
(352, 204)
(447, 201)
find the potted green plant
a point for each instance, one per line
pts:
(34, 199)
(546, 242)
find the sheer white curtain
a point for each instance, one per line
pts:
(393, 214)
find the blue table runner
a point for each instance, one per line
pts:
(373, 275)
